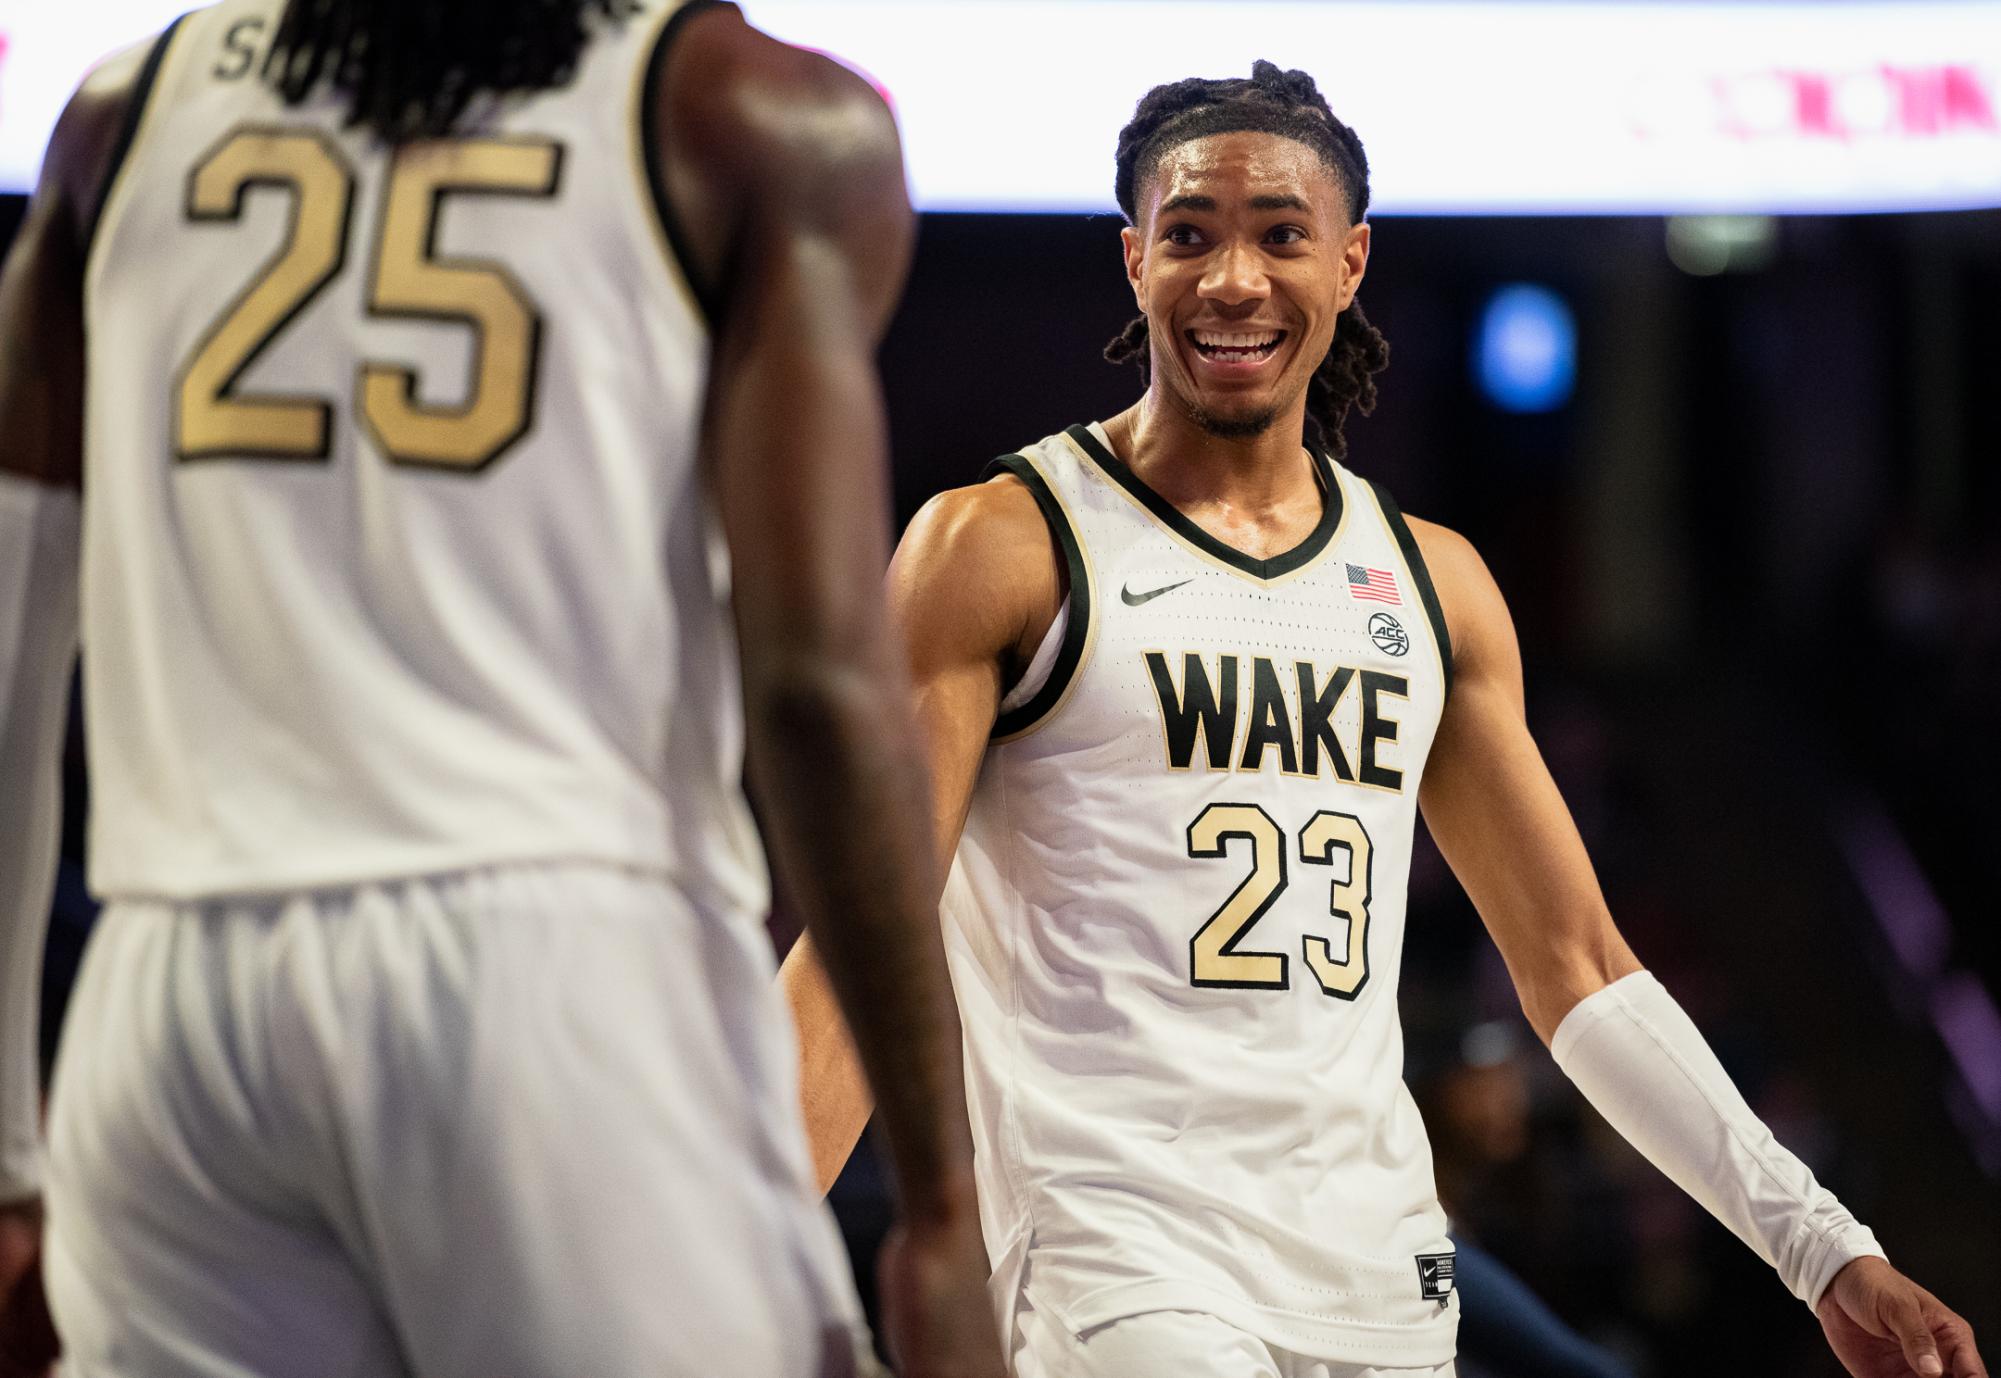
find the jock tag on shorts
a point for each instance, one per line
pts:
(1434, 1276)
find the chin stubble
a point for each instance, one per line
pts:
(1233, 427)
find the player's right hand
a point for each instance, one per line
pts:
(1880, 1324)
(27, 1339)
(936, 1312)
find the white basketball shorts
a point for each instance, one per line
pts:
(1169, 1344)
(537, 1121)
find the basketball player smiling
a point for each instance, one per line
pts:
(1183, 817)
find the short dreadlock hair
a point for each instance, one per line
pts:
(411, 67)
(1289, 105)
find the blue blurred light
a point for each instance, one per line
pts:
(1525, 352)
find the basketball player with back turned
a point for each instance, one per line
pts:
(475, 408)
(1184, 684)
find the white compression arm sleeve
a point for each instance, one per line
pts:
(1641, 1062)
(39, 529)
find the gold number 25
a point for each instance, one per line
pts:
(407, 279)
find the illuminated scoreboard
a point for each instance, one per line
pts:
(1465, 107)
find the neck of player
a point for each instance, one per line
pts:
(1256, 492)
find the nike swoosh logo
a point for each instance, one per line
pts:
(1133, 600)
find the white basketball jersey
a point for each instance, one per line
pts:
(1175, 922)
(398, 558)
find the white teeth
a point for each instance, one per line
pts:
(1218, 339)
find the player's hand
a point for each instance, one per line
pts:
(27, 1339)
(935, 1309)
(1883, 1325)
(20, 1242)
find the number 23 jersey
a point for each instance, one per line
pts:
(1176, 917)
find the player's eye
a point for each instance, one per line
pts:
(1286, 234)
(1183, 236)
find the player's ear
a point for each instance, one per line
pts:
(1135, 249)
(1354, 262)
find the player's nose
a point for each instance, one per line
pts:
(1235, 275)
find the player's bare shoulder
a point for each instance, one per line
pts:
(786, 97)
(1476, 615)
(755, 131)
(977, 565)
(41, 327)
(84, 147)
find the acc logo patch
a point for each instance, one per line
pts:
(1388, 634)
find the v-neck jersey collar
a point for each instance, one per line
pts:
(1167, 514)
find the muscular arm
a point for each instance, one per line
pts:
(41, 466)
(973, 588)
(1496, 814)
(41, 471)
(786, 173)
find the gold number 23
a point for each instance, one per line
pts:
(407, 279)
(1214, 958)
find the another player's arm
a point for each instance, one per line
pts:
(41, 468)
(787, 178)
(973, 588)
(1497, 817)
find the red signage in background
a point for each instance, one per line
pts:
(1642, 106)
(1941, 99)
(1905, 101)
(1882, 101)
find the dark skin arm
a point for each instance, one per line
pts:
(787, 172)
(41, 420)
(41, 290)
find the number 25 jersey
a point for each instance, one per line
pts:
(398, 558)
(1175, 922)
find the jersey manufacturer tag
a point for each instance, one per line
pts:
(1434, 1276)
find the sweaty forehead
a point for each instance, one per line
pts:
(1232, 168)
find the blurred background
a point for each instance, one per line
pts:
(1704, 355)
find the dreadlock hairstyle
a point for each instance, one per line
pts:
(1290, 105)
(411, 67)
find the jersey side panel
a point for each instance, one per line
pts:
(397, 558)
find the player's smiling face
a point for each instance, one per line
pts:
(1242, 259)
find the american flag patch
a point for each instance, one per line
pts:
(1373, 585)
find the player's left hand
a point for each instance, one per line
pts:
(1882, 1325)
(27, 1339)
(936, 1313)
